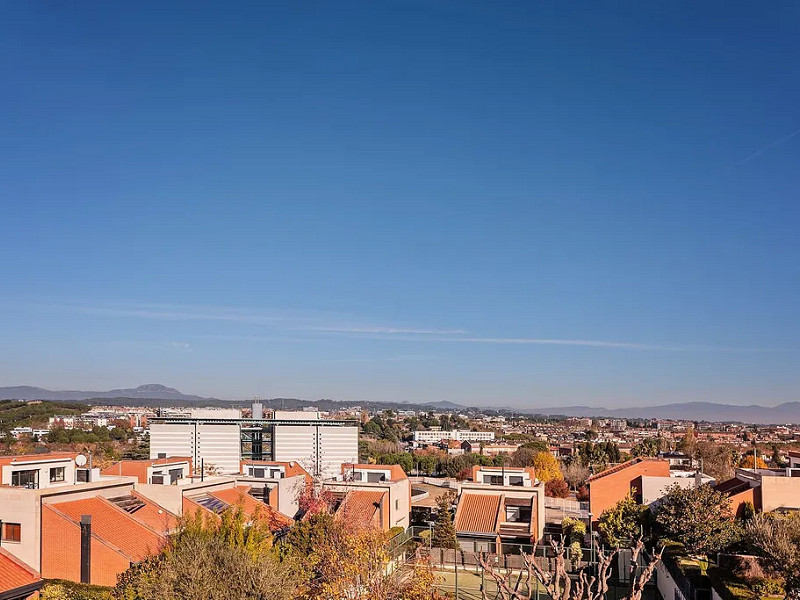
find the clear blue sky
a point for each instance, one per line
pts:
(526, 204)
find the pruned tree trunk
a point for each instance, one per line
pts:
(591, 583)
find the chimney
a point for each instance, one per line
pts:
(258, 410)
(86, 548)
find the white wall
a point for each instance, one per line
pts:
(43, 466)
(172, 439)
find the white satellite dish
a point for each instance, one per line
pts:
(80, 460)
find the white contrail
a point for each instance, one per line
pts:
(761, 151)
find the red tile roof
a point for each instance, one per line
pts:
(625, 465)
(239, 496)
(113, 525)
(15, 574)
(478, 513)
(154, 516)
(363, 507)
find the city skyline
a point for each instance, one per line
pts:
(520, 204)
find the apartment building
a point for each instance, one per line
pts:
(461, 435)
(220, 445)
(500, 509)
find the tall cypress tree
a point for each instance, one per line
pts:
(444, 531)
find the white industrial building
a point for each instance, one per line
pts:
(320, 446)
(460, 435)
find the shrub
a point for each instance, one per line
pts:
(556, 488)
(583, 494)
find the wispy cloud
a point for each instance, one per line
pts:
(298, 325)
(769, 146)
(372, 359)
(387, 330)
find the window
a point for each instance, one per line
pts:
(375, 477)
(275, 474)
(257, 472)
(29, 479)
(175, 475)
(12, 532)
(515, 480)
(57, 474)
(493, 479)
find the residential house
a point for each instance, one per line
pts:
(380, 494)
(767, 489)
(612, 485)
(500, 509)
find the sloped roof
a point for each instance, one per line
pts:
(623, 466)
(238, 496)
(732, 486)
(15, 574)
(478, 513)
(154, 516)
(113, 525)
(362, 507)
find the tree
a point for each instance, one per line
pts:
(776, 540)
(749, 460)
(228, 559)
(591, 583)
(546, 467)
(556, 488)
(345, 559)
(622, 522)
(700, 517)
(444, 531)
(575, 474)
(718, 459)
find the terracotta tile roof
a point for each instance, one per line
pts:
(625, 465)
(794, 453)
(154, 516)
(239, 496)
(14, 573)
(362, 507)
(478, 513)
(113, 525)
(396, 472)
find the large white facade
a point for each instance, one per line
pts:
(319, 446)
(461, 435)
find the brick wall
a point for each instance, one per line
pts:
(61, 552)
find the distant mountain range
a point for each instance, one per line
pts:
(788, 412)
(150, 391)
(158, 394)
